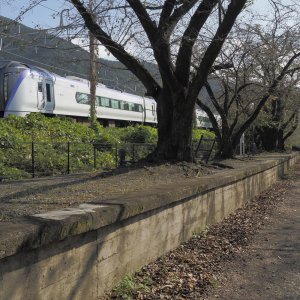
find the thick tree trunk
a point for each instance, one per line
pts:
(225, 149)
(280, 140)
(175, 125)
(224, 143)
(268, 137)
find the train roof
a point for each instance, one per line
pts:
(11, 63)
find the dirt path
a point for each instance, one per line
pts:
(252, 254)
(270, 267)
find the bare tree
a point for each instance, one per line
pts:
(280, 115)
(279, 119)
(181, 81)
(264, 62)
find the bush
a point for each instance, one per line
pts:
(197, 133)
(7, 172)
(51, 137)
(139, 134)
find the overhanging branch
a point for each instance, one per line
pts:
(213, 50)
(118, 51)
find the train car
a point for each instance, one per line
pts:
(202, 120)
(25, 89)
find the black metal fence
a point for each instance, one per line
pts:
(36, 159)
(205, 148)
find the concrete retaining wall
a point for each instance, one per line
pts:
(79, 253)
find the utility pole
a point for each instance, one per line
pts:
(93, 71)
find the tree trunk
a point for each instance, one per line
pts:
(224, 143)
(225, 149)
(280, 140)
(93, 80)
(268, 136)
(175, 125)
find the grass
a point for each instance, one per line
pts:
(128, 287)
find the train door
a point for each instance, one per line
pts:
(49, 107)
(46, 96)
(41, 101)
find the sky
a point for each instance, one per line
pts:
(47, 14)
(42, 15)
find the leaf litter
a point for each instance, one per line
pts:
(191, 271)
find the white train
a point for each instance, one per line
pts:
(25, 89)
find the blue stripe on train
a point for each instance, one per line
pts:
(15, 89)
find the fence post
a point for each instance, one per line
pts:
(95, 157)
(133, 153)
(32, 159)
(198, 146)
(211, 149)
(116, 155)
(68, 167)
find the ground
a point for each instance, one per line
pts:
(27, 197)
(269, 268)
(252, 254)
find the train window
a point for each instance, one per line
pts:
(203, 119)
(122, 105)
(82, 98)
(40, 87)
(138, 107)
(125, 105)
(105, 102)
(98, 101)
(48, 92)
(115, 104)
(131, 106)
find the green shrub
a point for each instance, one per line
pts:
(139, 134)
(7, 172)
(51, 137)
(197, 133)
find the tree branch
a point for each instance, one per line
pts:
(284, 125)
(118, 51)
(160, 42)
(212, 118)
(189, 38)
(166, 13)
(147, 23)
(180, 12)
(212, 97)
(294, 127)
(213, 50)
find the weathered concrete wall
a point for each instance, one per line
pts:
(79, 253)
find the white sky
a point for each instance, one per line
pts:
(42, 15)
(47, 14)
